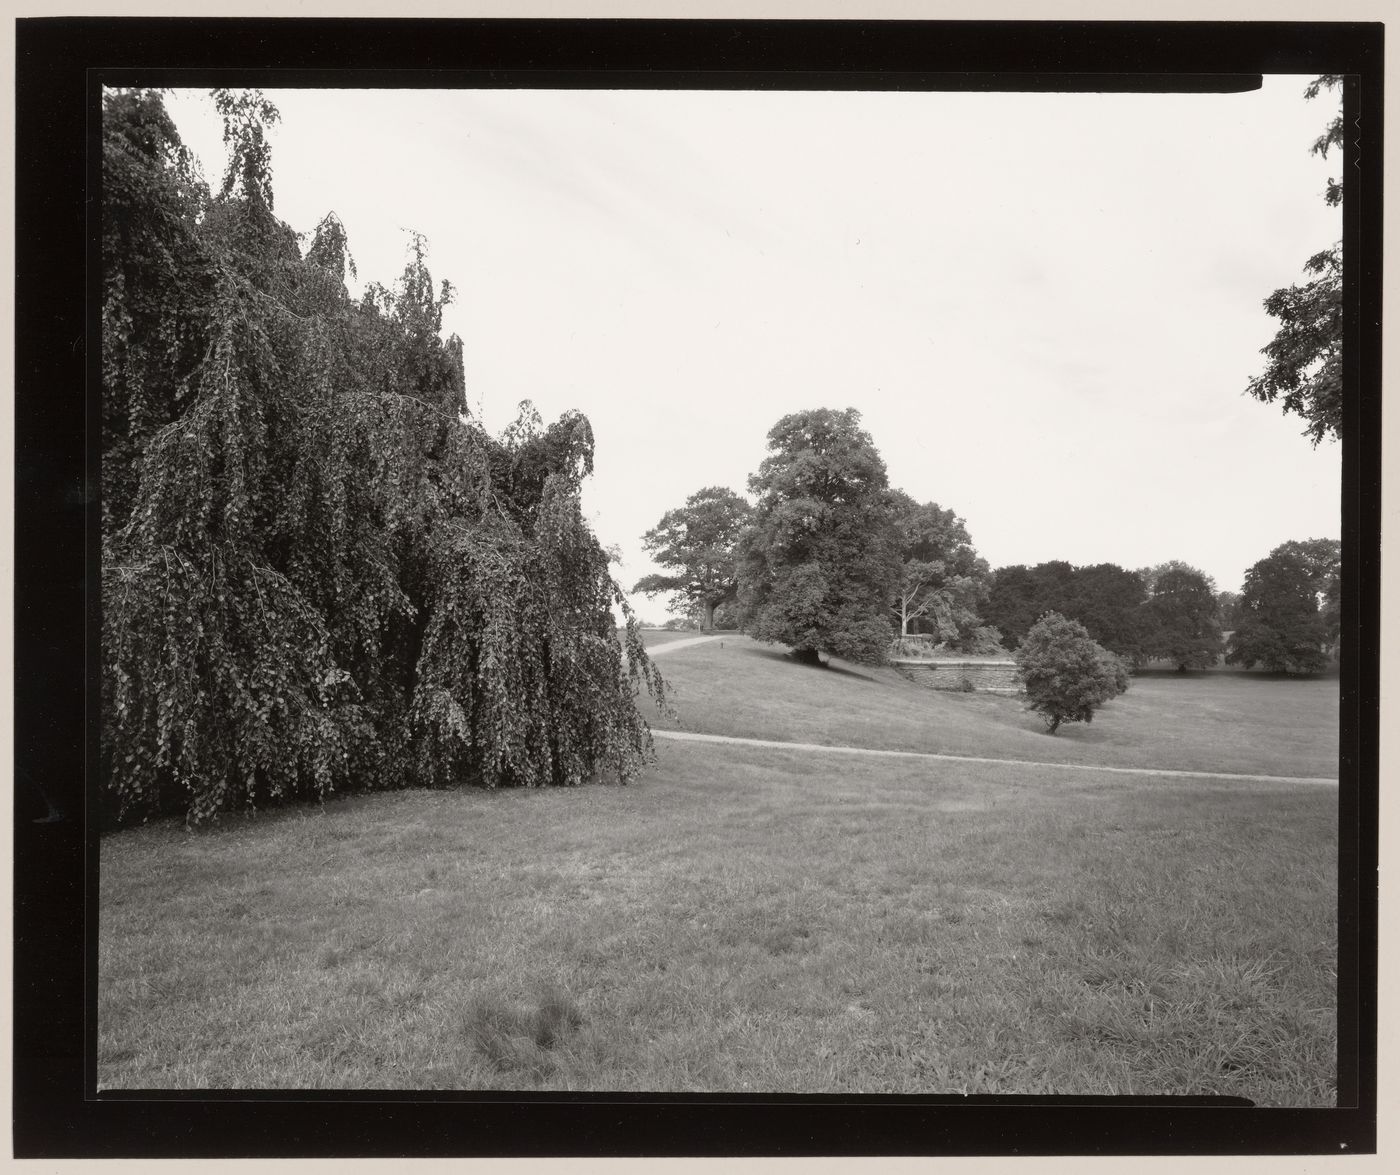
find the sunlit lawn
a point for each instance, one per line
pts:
(747, 919)
(1245, 723)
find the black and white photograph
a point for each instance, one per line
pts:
(765, 591)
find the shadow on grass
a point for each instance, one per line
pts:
(788, 658)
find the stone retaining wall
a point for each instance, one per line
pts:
(950, 673)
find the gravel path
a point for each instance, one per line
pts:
(688, 736)
(672, 646)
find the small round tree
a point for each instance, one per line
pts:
(1067, 675)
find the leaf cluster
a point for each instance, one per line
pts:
(1304, 371)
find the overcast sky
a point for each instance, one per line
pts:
(1045, 306)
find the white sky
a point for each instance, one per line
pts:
(1045, 306)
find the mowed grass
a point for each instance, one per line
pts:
(1232, 722)
(739, 920)
(652, 637)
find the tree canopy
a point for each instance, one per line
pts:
(1108, 600)
(1305, 354)
(1067, 675)
(1279, 622)
(1323, 560)
(943, 580)
(1104, 597)
(1182, 617)
(821, 559)
(697, 541)
(318, 573)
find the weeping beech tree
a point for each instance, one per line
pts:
(319, 573)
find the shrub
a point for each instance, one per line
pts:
(912, 646)
(1067, 675)
(983, 641)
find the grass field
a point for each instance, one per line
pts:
(767, 920)
(1233, 722)
(663, 636)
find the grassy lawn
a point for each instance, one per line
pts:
(738, 920)
(767, 920)
(1246, 723)
(652, 637)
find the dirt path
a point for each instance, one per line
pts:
(672, 646)
(688, 736)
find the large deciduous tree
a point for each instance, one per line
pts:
(1280, 624)
(821, 560)
(943, 581)
(696, 541)
(1107, 600)
(1015, 601)
(317, 573)
(1182, 617)
(1229, 603)
(1323, 560)
(1305, 354)
(1104, 597)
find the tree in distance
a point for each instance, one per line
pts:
(697, 542)
(1289, 614)
(1018, 597)
(1182, 617)
(1229, 603)
(1107, 600)
(1067, 674)
(1323, 560)
(821, 559)
(1103, 597)
(1280, 624)
(943, 581)
(1305, 354)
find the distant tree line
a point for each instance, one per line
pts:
(318, 573)
(830, 560)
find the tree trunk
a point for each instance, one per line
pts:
(708, 624)
(1054, 723)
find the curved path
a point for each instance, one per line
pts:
(672, 646)
(689, 736)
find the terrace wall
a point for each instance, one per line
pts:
(951, 673)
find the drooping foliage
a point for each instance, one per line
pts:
(821, 559)
(1305, 354)
(697, 542)
(318, 573)
(1288, 614)
(1067, 675)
